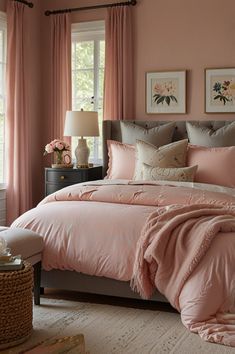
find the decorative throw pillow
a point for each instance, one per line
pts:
(157, 136)
(182, 174)
(171, 155)
(215, 165)
(204, 136)
(121, 160)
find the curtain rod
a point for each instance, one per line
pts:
(62, 11)
(29, 4)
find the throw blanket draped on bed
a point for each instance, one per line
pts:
(172, 245)
(184, 245)
(170, 248)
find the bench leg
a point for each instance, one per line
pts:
(37, 282)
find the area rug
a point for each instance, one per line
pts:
(113, 329)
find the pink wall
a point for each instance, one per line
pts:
(183, 34)
(171, 35)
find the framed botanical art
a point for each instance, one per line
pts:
(166, 92)
(220, 90)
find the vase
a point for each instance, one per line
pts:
(59, 157)
(58, 160)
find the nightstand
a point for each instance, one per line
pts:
(57, 178)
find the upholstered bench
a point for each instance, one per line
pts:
(29, 245)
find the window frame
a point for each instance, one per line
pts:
(92, 31)
(3, 27)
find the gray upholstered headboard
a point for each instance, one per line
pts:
(112, 131)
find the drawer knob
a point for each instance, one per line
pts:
(62, 178)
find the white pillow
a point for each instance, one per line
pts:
(171, 155)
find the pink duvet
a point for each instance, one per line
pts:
(178, 239)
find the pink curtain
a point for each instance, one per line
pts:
(119, 85)
(19, 198)
(61, 99)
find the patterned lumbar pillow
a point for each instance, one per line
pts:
(157, 136)
(203, 136)
(172, 155)
(182, 174)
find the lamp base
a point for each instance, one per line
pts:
(82, 153)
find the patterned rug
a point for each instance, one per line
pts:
(115, 330)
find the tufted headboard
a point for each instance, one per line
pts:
(112, 131)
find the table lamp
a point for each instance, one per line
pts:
(81, 123)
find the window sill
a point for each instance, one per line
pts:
(3, 186)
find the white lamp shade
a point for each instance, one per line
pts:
(81, 123)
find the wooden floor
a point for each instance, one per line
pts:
(110, 300)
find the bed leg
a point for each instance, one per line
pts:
(37, 282)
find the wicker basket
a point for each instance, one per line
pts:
(15, 306)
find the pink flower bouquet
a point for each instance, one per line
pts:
(56, 145)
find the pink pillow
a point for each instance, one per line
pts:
(121, 160)
(215, 165)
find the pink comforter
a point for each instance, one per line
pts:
(178, 239)
(173, 245)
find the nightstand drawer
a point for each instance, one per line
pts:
(56, 178)
(52, 188)
(62, 176)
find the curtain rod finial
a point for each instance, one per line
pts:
(133, 2)
(31, 4)
(47, 13)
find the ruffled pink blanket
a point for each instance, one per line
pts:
(172, 245)
(178, 239)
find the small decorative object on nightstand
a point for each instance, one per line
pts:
(56, 179)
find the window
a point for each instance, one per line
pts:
(88, 55)
(3, 42)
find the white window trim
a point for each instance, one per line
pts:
(85, 31)
(92, 26)
(3, 25)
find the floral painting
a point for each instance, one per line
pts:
(165, 92)
(220, 90)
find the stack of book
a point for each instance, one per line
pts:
(10, 263)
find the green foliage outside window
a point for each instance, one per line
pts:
(88, 58)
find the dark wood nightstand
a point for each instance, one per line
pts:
(57, 178)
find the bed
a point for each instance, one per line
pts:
(152, 216)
